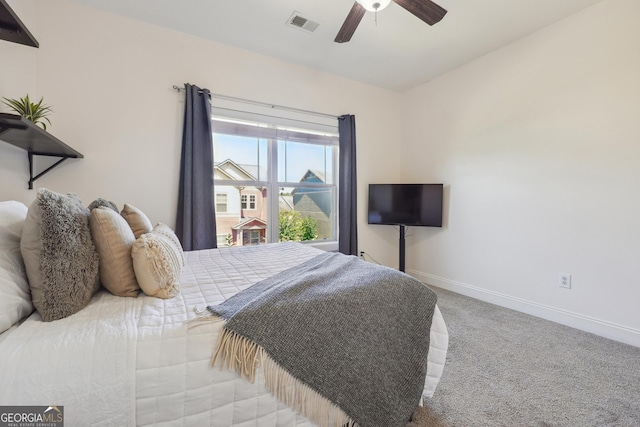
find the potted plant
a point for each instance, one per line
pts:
(36, 112)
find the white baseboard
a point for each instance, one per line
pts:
(590, 324)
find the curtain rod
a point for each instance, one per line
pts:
(264, 104)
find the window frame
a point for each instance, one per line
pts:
(272, 184)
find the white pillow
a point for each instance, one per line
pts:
(15, 298)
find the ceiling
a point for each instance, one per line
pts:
(397, 53)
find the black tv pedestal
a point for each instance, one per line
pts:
(401, 248)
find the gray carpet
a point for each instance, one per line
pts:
(505, 368)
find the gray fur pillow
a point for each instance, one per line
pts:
(102, 202)
(59, 255)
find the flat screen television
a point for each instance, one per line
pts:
(406, 204)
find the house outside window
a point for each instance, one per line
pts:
(284, 181)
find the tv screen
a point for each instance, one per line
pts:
(406, 204)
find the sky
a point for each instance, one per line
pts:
(294, 159)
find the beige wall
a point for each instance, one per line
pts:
(110, 82)
(538, 145)
(18, 71)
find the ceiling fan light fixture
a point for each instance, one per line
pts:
(374, 5)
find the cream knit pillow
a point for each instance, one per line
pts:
(157, 261)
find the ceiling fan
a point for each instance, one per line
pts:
(426, 10)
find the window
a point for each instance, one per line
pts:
(252, 202)
(221, 202)
(252, 237)
(283, 178)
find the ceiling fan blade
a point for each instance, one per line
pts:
(426, 10)
(351, 23)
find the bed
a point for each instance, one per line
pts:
(147, 361)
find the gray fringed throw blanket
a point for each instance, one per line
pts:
(339, 339)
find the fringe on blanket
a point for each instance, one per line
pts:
(242, 355)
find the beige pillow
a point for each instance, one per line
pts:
(113, 239)
(137, 220)
(59, 255)
(158, 262)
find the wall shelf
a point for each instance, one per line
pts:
(12, 29)
(22, 133)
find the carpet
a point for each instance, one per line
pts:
(506, 368)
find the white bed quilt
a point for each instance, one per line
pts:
(144, 361)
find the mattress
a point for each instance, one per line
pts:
(146, 361)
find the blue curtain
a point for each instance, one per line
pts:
(347, 201)
(196, 219)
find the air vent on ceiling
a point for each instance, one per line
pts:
(297, 20)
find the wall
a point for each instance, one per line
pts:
(538, 146)
(110, 82)
(18, 69)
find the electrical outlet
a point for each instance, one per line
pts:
(565, 281)
(361, 254)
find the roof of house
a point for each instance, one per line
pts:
(250, 223)
(243, 173)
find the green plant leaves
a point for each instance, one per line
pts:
(36, 112)
(296, 227)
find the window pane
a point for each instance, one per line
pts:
(299, 162)
(239, 158)
(221, 202)
(307, 213)
(243, 223)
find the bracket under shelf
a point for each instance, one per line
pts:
(18, 131)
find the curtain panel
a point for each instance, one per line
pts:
(347, 200)
(196, 221)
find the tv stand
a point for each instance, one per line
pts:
(401, 248)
